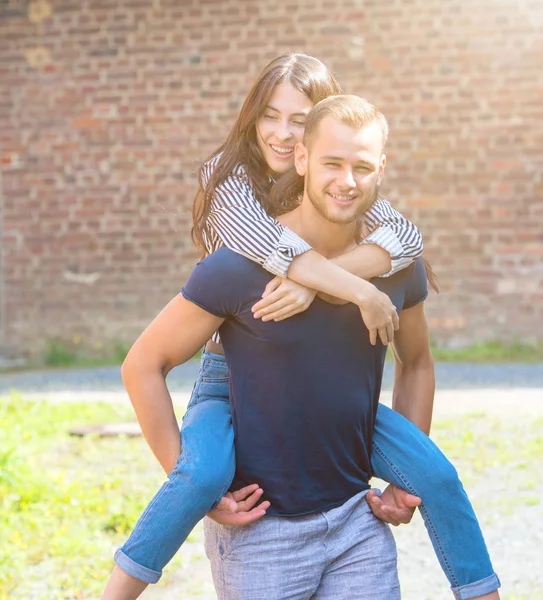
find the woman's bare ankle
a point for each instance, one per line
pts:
(492, 596)
(122, 586)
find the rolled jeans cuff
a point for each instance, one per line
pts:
(477, 588)
(132, 568)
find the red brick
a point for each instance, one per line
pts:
(102, 139)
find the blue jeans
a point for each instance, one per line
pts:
(401, 455)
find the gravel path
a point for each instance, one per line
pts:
(448, 376)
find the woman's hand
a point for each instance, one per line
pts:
(283, 298)
(379, 314)
(238, 508)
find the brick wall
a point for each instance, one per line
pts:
(107, 107)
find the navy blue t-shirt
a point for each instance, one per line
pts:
(303, 391)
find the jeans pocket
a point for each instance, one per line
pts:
(212, 382)
(194, 395)
(214, 371)
(212, 390)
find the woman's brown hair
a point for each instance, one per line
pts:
(307, 74)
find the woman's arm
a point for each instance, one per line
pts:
(390, 230)
(172, 338)
(390, 244)
(243, 226)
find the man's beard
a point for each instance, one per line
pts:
(319, 202)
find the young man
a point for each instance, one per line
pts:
(304, 392)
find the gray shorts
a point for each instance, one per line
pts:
(345, 553)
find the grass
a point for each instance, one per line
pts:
(492, 351)
(482, 443)
(488, 352)
(68, 502)
(62, 354)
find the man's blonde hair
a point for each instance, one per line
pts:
(351, 110)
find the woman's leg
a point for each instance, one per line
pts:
(202, 475)
(405, 456)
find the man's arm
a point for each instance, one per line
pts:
(172, 338)
(413, 397)
(414, 379)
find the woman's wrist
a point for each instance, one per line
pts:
(364, 293)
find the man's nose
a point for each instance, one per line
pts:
(346, 179)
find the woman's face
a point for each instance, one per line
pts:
(281, 126)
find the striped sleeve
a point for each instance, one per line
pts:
(394, 233)
(242, 225)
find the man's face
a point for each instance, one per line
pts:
(281, 126)
(343, 169)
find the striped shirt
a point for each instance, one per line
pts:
(238, 221)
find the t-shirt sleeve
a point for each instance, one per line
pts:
(215, 285)
(417, 289)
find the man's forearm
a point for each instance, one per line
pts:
(154, 409)
(413, 395)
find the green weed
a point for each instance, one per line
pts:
(67, 502)
(492, 351)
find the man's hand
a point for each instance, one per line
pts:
(379, 315)
(283, 298)
(238, 508)
(395, 506)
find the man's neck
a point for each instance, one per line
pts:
(326, 238)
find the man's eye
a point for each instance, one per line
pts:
(332, 164)
(300, 123)
(362, 169)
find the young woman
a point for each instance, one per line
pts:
(233, 207)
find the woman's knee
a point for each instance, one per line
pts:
(445, 475)
(436, 476)
(421, 469)
(207, 476)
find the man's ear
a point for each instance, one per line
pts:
(300, 159)
(382, 164)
